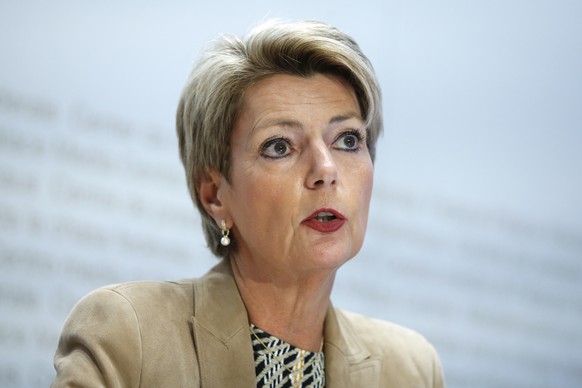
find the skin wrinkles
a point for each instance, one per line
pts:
(284, 269)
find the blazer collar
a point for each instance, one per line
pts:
(348, 362)
(223, 344)
(221, 331)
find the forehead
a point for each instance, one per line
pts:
(285, 93)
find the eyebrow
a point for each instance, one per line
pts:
(348, 116)
(297, 124)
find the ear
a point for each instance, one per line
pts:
(208, 192)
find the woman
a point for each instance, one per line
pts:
(277, 134)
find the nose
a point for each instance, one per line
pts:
(323, 170)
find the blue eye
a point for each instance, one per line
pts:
(348, 141)
(276, 148)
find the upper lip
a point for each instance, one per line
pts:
(324, 212)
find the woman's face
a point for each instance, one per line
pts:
(302, 176)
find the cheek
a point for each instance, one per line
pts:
(259, 198)
(365, 182)
(364, 194)
(264, 210)
(369, 184)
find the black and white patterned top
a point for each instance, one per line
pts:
(281, 365)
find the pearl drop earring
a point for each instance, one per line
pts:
(225, 240)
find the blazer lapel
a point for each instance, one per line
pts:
(347, 362)
(224, 349)
(221, 331)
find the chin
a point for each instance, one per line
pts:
(333, 257)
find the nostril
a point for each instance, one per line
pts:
(319, 182)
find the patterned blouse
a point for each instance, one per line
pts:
(281, 365)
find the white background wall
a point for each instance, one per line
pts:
(475, 236)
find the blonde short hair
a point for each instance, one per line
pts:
(214, 92)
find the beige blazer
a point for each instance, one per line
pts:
(195, 334)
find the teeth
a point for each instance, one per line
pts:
(324, 216)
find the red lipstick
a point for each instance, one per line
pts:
(325, 220)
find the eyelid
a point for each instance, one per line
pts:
(359, 133)
(273, 140)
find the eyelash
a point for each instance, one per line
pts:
(358, 134)
(265, 146)
(352, 132)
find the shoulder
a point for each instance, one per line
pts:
(403, 351)
(375, 331)
(144, 300)
(126, 333)
(136, 298)
(125, 309)
(151, 294)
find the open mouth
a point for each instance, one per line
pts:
(325, 220)
(325, 217)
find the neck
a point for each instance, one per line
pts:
(290, 308)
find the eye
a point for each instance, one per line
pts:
(348, 141)
(276, 148)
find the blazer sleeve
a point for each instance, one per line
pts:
(100, 345)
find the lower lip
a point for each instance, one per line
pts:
(325, 227)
